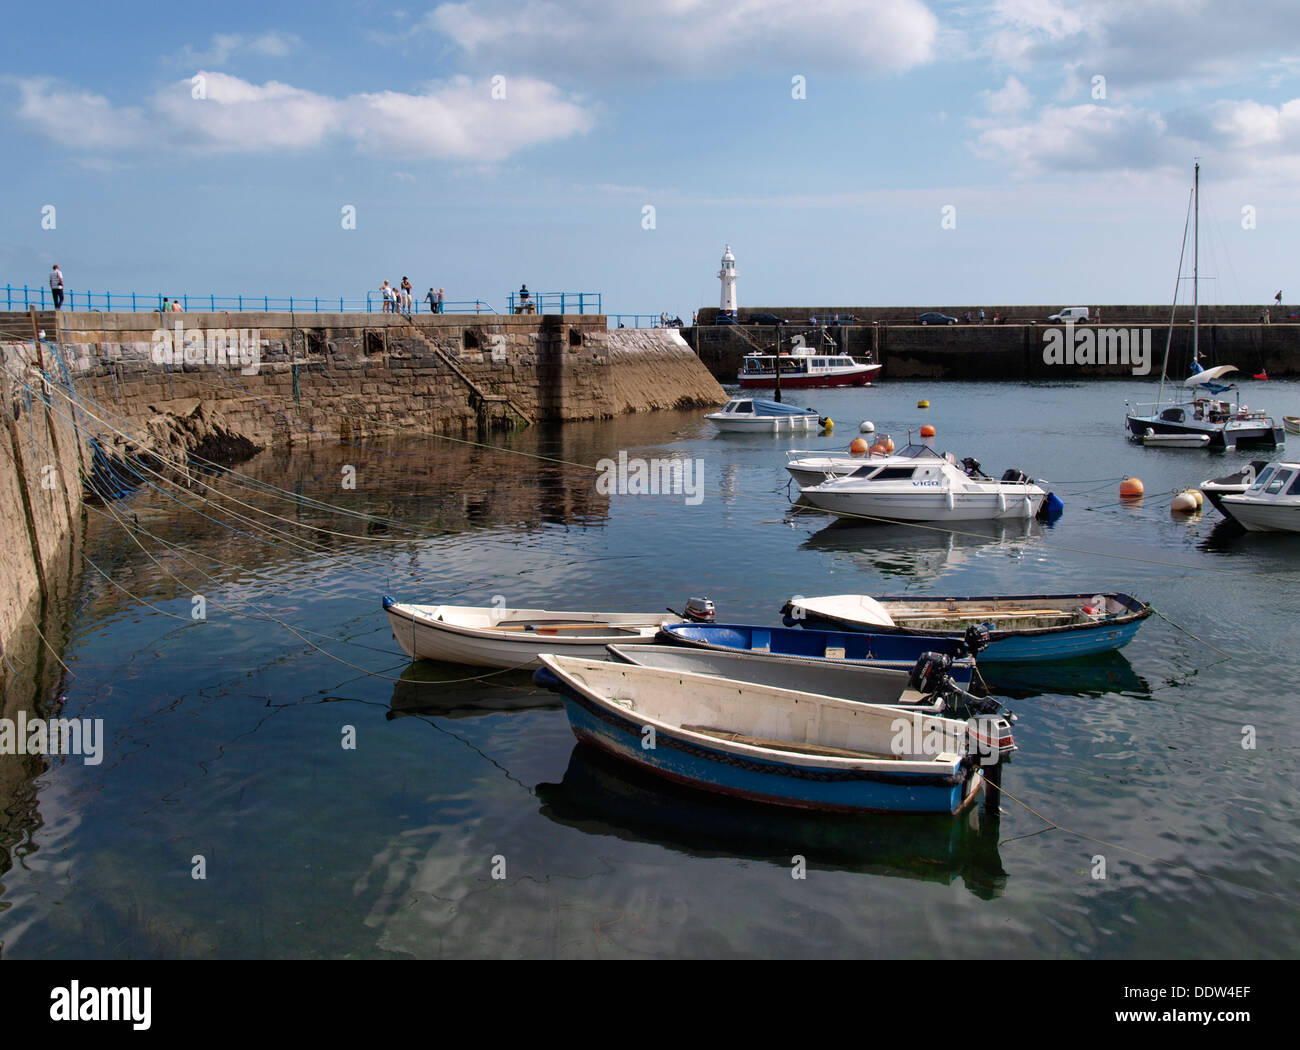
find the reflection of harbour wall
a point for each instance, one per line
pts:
(319, 377)
(1012, 350)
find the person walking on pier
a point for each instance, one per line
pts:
(56, 286)
(1278, 298)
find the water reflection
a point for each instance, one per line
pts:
(919, 553)
(603, 796)
(1088, 678)
(453, 691)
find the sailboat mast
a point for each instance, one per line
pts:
(1196, 262)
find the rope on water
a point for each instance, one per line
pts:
(1189, 634)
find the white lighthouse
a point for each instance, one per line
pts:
(728, 277)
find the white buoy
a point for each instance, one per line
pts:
(1183, 503)
(867, 427)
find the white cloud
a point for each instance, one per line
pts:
(693, 37)
(452, 120)
(1013, 97)
(224, 46)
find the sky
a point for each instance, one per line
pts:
(892, 152)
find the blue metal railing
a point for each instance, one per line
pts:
(636, 321)
(556, 303)
(14, 297)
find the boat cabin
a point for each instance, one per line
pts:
(1281, 479)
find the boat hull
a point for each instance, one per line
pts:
(1006, 645)
(684, 759)
(1221, 437)
(1262, 515)
(927, 506)
(424, 639)
(857, 377)
(836, 646)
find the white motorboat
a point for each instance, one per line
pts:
(1291, 424)
(754, 415)
(919, 484)
(513, 638)
(810, 468)
(1271, 504)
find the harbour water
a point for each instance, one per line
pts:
(226, 738)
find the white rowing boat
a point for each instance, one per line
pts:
(514, 638)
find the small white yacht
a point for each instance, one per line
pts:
(754, 415)
(1271, 504)
(918, 484)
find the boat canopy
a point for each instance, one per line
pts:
(1207, 375)
(776, 408)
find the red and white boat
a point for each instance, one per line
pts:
(806, 368)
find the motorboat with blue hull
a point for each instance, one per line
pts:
(1020, 627)
(775, 746)
(927, 688)
(840, 647)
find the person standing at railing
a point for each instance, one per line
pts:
(56, 286)
(387, 292)
(406, 294)
(440, 310)
(432, 300)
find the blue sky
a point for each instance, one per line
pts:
(1067, 189)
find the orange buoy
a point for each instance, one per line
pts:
(1130, 488)
(927, 431)
(857, 446)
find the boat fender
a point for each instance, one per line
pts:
(949, 499)
(547, 679)
(1002, 502)
(1051, 508)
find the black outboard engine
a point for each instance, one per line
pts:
(699, 610)
(976, 638)
(972, 466)
(1018, 477)
(930, 673)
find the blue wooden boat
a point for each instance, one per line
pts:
(879, 650)
(1020, 626)
(766, 744)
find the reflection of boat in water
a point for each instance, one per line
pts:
(601, 796)
(1085, 678)
(919, 552)
(442, 691)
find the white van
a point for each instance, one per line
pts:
(1070, 313)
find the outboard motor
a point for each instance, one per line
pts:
(972, 466)
(1018, 477)
(976, 638)
(699, 610)
(930, 673)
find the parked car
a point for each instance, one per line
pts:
(1070, 313)
(935, 318)
(765, 318)
(725, 317)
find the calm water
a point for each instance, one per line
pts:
(223, 737)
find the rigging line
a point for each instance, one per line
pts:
(226, 472)
(294, 543)
(48, 646)
(862, 517)
(268, 617)
(1189, 634)
(1138, 853)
